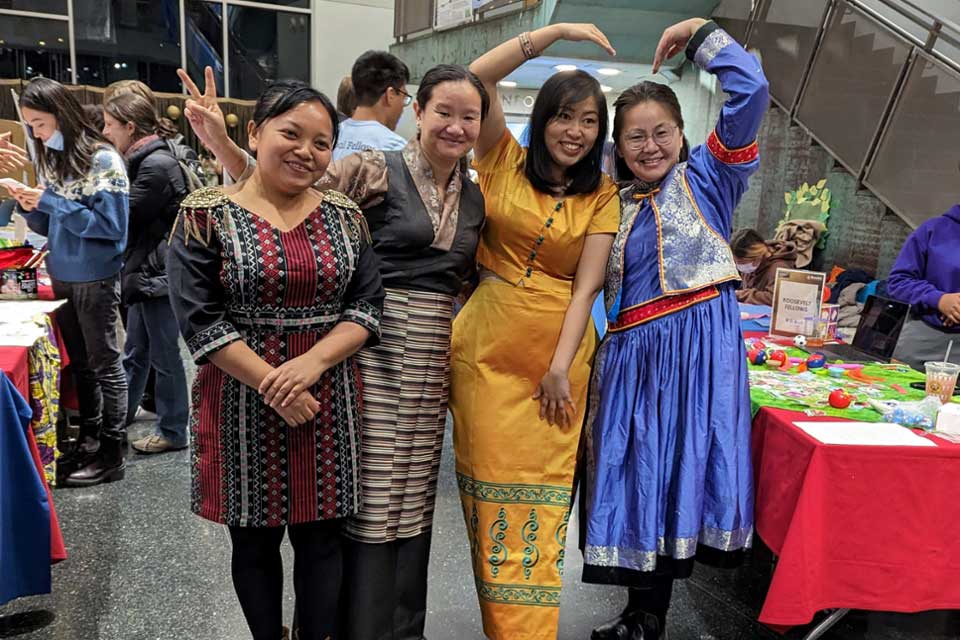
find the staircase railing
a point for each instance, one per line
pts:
(881, 95)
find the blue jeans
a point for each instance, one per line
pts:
(152, 340)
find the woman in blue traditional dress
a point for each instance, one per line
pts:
(667, 458)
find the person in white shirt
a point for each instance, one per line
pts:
(379, 84)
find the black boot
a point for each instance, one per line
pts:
(630, 625)
(627, 626)
(82, 453)
(107, 466)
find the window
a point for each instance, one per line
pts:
(204, 40)
(266, 45)
(128, 40)
(58, 7)
(32, 47)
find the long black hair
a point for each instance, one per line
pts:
(283, 95)
(562, 91)
(645, 91)
(80, 140)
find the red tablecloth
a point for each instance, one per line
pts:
(15, 364)
(858, 527)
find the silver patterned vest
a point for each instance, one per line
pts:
(692, 254)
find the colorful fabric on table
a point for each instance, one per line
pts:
(44, 359)
(25, 523)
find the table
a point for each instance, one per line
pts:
(14, 362)
(854, 527)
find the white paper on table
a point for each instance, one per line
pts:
(883, 434)
(16, 311)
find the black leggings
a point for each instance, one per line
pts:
(317, 570)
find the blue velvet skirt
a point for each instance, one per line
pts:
(667, 449)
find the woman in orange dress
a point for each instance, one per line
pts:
(521, 350)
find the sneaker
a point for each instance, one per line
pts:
(154, 444)
(144, 415)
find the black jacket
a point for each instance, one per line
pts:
(156, 188)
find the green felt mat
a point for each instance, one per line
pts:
(809, 393)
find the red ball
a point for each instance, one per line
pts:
(840, 399)
(779, 354)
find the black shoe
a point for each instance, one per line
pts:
(630, 625)
(80, 455)
(626, 626)
(107, 466)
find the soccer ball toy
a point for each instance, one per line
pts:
(800, 341)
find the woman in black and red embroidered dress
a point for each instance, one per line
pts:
(275, 287)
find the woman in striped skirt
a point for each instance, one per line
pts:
(425, 217)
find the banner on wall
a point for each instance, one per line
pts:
(451, 13)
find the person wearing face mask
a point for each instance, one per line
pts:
(521, 349)
(425, 217)
(82, 207)
(757, 261)
(667, 464)
(157, 186)
(275, 287)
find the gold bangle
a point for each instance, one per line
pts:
(526, 45)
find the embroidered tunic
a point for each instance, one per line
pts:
(668, 457)
(233, 276)
(425, 241)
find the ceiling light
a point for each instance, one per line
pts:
(42, 43)
(608, 71)
(605, 88)
(509, 84)
(566, 67)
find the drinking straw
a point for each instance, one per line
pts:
(946, 358)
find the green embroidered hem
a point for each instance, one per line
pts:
(514, 493)
(519, 594)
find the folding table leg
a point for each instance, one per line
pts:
(828, 622)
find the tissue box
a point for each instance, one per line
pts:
(948, 420)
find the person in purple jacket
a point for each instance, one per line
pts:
(927, 276)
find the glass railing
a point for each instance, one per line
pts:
(877, 84)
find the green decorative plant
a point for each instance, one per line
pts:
(809, 202)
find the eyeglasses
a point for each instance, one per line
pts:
(662, 136)
(407, 98)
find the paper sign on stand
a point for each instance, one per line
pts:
(797, 296)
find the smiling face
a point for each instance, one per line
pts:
(42, 123)
(119, 133)
(450, 121)
(650, 141)
(571, 134)
(294, 148)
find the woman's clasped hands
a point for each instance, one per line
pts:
(287, 389)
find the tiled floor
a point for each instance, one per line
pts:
(143, 567)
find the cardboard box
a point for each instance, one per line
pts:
(18, 284)
(829, 315)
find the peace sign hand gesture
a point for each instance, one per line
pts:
(675, 39)
(203, 111)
